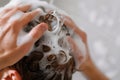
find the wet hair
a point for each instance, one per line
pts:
(50, 59)
(29, 69)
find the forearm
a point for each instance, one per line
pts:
(93, 73)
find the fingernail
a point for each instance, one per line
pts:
(38, 10)
(35, 12)
(44, 26)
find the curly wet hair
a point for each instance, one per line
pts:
(29, 66)
(29, 69)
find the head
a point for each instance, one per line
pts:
(49, 60)
(28, 69)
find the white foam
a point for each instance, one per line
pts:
(16, 16)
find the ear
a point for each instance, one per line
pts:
(11, 75)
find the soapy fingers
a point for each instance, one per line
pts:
(7, 13)
(81, 61)
(76, 53)
(10, 52)
(71, 24)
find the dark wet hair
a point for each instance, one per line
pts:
(29, 66)
(29, 69)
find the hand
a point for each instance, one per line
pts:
(87, 67)
(76, 50)
(10, 52)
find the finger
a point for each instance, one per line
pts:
(4, 11)
(8, 28)
(76, 53)
(27, 17)
(74, 46)
(13, 11)
(32, 37)
(71, 24)
(38, 31)
(24, 8)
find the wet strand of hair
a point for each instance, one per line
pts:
(69, 70)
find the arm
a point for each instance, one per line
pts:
(92, 72)
(88, 68)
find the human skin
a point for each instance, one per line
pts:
(88, 68)
(17, 52)
(10, 52)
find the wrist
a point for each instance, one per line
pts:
(87, 65)
(92, 72)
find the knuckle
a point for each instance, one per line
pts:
(67, 17)
(14, 22)
(17, 8)
(30, 15)
(84, 36)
